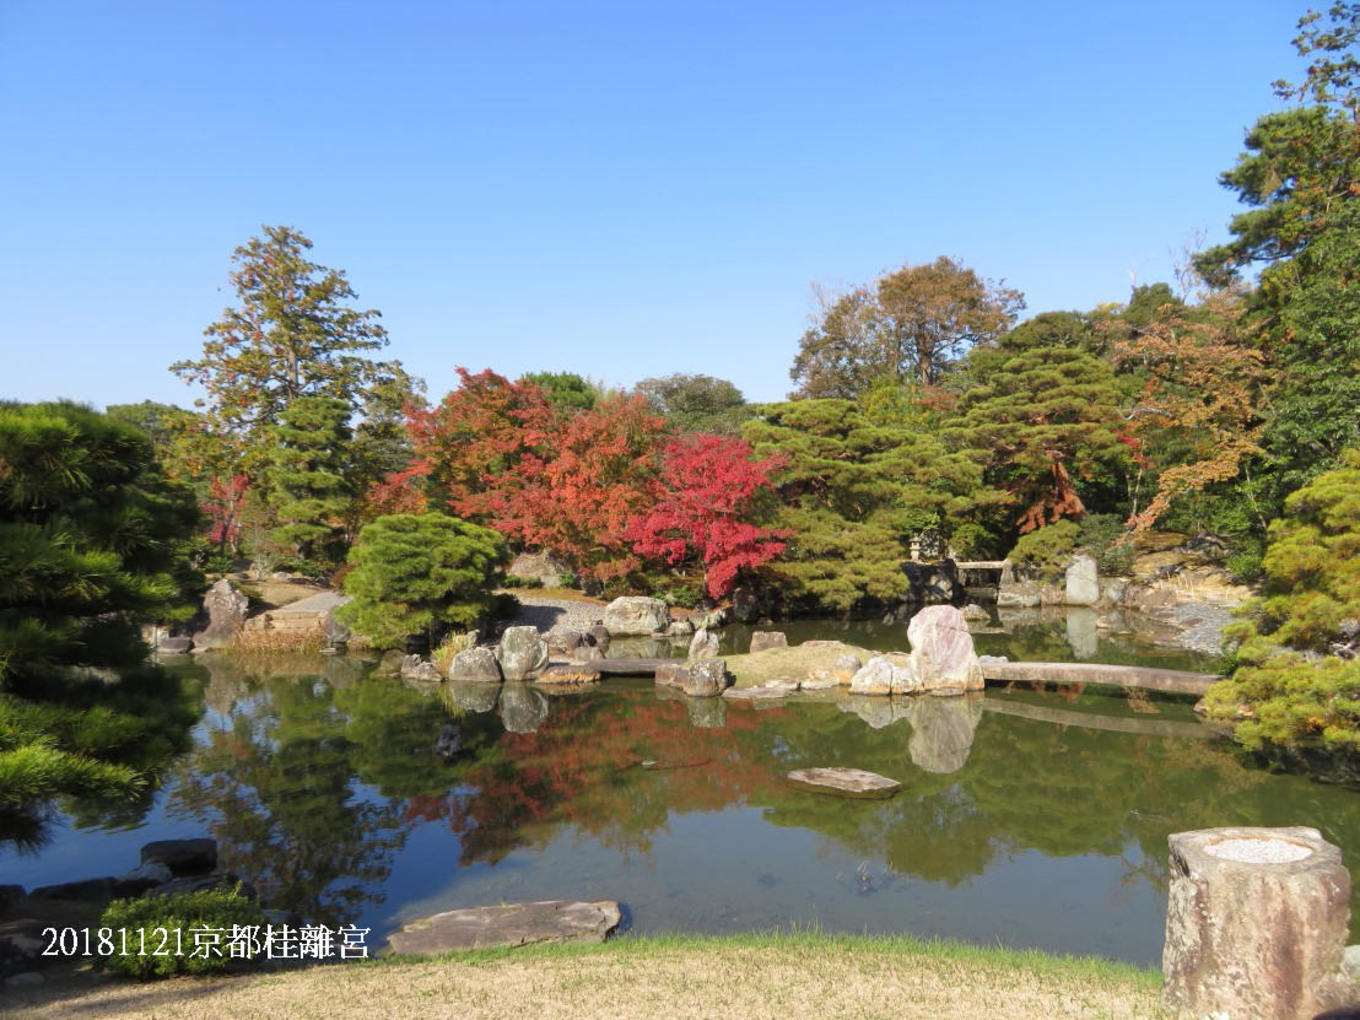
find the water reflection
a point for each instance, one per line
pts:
(339, 795)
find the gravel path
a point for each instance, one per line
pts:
(547, 613)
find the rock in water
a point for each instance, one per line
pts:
(568, 675)
(182, 856)
(636, 614)
(509, 925)
(1083, 581)
(703, 645)
(845, 782)
(417, 667)
(942, 658)
(226, 608)
(707, 678)
(1256, 923)
(522, 652)
(886, 674)
(475, 665)
(763, 639)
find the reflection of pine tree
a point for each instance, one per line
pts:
(278, 781)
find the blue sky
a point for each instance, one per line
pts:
(617, 189)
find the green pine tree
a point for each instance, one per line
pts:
(418, 575)
(308, 477)
(92, 542)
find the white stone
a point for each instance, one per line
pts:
(1083, 581)
(943, 659)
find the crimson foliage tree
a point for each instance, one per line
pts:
(502, 454)
(707, 495)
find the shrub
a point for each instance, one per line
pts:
(515, 581)
(971, 541)
(1046, 550)
(416, 575)
(173, 923)
(1100, 535)
(683, 595)
(458, 641)
(1298, 681)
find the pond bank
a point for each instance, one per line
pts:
(744, 975)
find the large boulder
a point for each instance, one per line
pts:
(226, 609)
(703, 645)
(544, 567)
(182, 856)
(565, 640)
(750, 603)
(475, 665)
(522, 652)
(707, 678)
(1083, 581)
(942, 660)
(763, 639)
(892, 673)
(1256, 923)
(636, 614)
(417, 667)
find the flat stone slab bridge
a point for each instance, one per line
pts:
(1146, 678)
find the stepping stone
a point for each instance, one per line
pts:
(844, 782)
(515, 924)
(569, 675)
(758, 693)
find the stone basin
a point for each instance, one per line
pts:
(1258, 850)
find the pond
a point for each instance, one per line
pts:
(1028, 819)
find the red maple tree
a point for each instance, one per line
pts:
(705, 500)
(223, 509)
(603, 474)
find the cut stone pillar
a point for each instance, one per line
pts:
(1256, 923)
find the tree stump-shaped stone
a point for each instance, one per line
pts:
(1256, 923)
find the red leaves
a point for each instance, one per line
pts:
(223, 509)
(710, 484)
(501, 454)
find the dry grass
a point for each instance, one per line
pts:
(451, 646)
(796, 662)
(279, 641)
(744, 976)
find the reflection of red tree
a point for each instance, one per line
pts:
(583, 768)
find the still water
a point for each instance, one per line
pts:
(1028, 819)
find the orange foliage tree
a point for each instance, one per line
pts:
(1199, 416)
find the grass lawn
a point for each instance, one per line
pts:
(783, 976)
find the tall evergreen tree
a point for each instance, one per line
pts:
(294, 332)
(1301, 177)
(308, 479)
